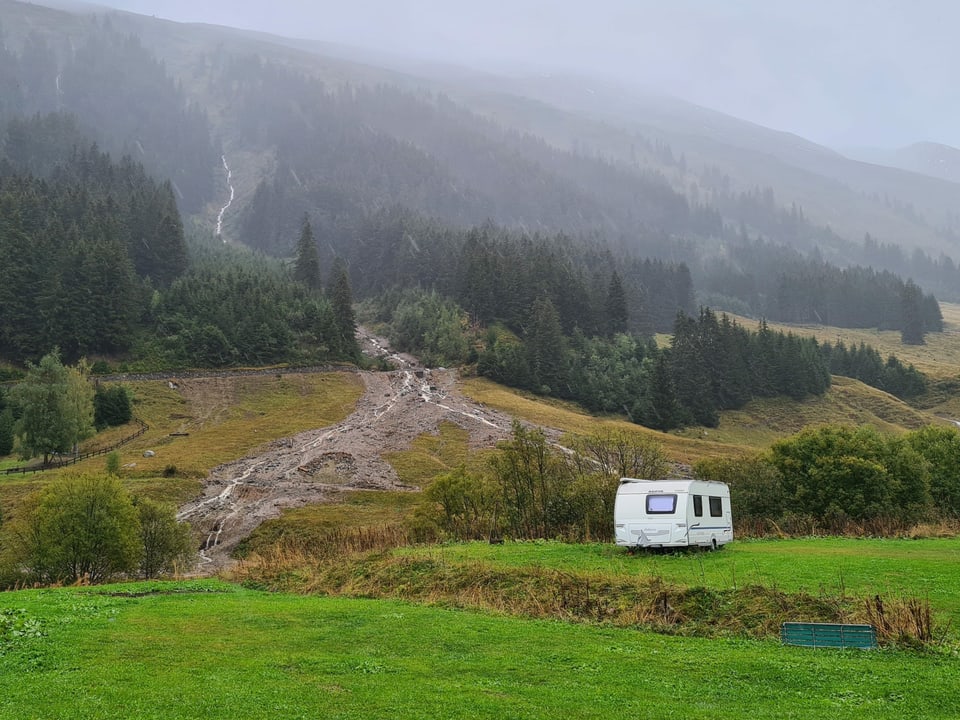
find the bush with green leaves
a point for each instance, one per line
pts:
(940, 447)
(6, 431)
(463, 505)
(167, 544)
(823, 477)
(756, 488)
(856, 473)
(88, 528)
(77, 528)
(531, 490)
(424, 323)
(113, 464)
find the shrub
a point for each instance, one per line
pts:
(113, 464)
(77, 528)
(6, 431)
(167, 544)
(100, 367)
(756, 489)
(839, 473)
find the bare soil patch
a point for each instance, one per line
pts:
(316, 466)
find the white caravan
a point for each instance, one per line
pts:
(672, 513)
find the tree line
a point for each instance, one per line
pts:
(234, 307)
(760, 279)
(81, 252)
(712, 363)
(829, 478)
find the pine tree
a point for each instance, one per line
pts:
(306, 268)
(341, 299)
(545, 347)
(663, 411)
(616, 306)
(911, 329)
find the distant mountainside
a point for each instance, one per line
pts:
(334, 131)
(926, 158)
(913, 209)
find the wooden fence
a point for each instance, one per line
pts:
(62, 462)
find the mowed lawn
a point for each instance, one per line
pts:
(926, 569)
(211, 650)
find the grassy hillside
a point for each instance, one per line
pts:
(223, 419)
(756, 426)
(938, 358)
(209, 650)
(228, 418)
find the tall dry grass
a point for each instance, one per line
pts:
(906, 622)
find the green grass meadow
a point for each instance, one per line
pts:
(212, 650)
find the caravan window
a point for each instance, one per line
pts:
(698, 505)
(716, 507)
(661, 504)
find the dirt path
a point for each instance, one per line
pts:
(316, 466)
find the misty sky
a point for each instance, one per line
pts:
(843, 73)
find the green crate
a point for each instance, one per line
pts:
(834, 635)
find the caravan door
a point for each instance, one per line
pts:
(709, 517)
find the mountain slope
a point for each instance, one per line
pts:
(548, 153)
(852, 197)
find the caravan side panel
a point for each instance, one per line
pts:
(672, 513)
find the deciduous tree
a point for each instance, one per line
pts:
(56, 408)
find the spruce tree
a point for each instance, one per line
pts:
(616, 306)
(911, 329)
(341, 299)
(545, 347)
(306, 269)
(663, 411)
(692, 376)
